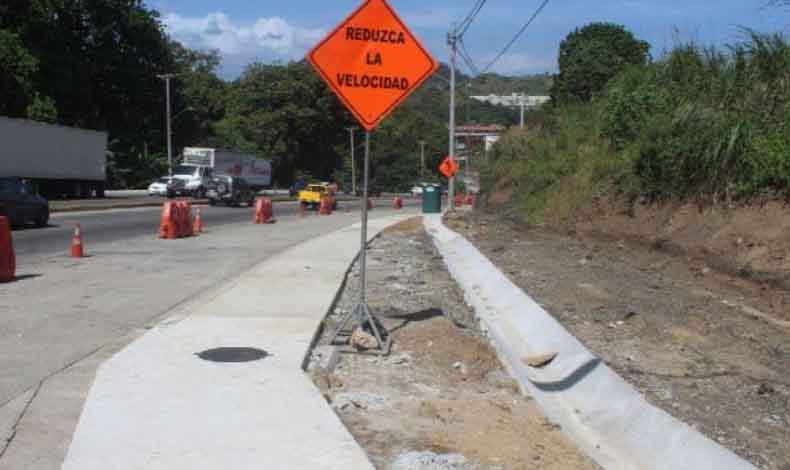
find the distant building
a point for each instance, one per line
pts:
(514, 100)
(474, 141)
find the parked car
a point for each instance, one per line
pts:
(167, 187)
(20, 203)
(230, 190)
(299, 185)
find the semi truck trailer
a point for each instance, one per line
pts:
(59, 161)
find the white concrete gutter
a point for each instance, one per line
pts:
(606, 417)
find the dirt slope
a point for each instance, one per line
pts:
(711, 348)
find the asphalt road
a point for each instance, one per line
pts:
(120, 224)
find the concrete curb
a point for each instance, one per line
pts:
(606, 417)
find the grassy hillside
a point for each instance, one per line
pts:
(698, 124)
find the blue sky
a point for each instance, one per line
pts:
(266, 30)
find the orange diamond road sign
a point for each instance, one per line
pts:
(372, 62)
(448, 167)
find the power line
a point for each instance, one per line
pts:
(467, 58)
(515, 38)
(470, 18)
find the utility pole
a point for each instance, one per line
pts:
(468, 99)
(452, 41)
(521, 101)
(422, 159)
(353, 162)
(167, 77)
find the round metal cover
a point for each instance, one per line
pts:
(232, 354)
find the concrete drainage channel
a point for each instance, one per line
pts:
(603, 414)
(442, 399)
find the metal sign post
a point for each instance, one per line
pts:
(360, 314)
(373, 63)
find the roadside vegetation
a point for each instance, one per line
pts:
(697, 124)
(95, 65)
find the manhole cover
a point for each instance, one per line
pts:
(232, 354)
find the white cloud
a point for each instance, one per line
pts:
(265, 39)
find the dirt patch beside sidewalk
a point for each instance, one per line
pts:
(442, 399)
(710, 348)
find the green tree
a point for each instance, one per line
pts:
(43, 109)
(17, 67)
(199, 97)
(287, 113)
(589, 57)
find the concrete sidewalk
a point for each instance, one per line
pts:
(156, 405)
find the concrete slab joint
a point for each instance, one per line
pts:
(606, 417)
(157, 405)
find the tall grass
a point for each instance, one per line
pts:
(705, 123)
(700, 123)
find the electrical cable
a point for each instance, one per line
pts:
(516, 37)
(470, 18)
(467, 58)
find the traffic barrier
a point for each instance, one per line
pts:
(7, 257)
(326, 206)
(264, 213)
(167, 228)
(186, 218)
(76, 243)
(197, 223)
(397, 203)
(470, 199)
(176, 220)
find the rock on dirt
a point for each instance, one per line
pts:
(359, 400)
(430, 461)
(363, 341)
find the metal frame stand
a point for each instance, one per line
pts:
(360, 316)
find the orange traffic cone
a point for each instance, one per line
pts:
(76, 243)
(197, 223)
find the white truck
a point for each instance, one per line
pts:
(61, 162)
(200, 165)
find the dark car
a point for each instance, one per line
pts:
(20, 203)
(299, 185)
(230, 190)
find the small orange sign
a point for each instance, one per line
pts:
(372, 62)
(448, 167)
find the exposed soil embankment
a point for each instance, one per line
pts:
(710, 346)
(751, 241)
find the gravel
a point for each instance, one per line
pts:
(430, 461)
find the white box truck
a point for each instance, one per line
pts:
(199, 165)
(60, 161)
